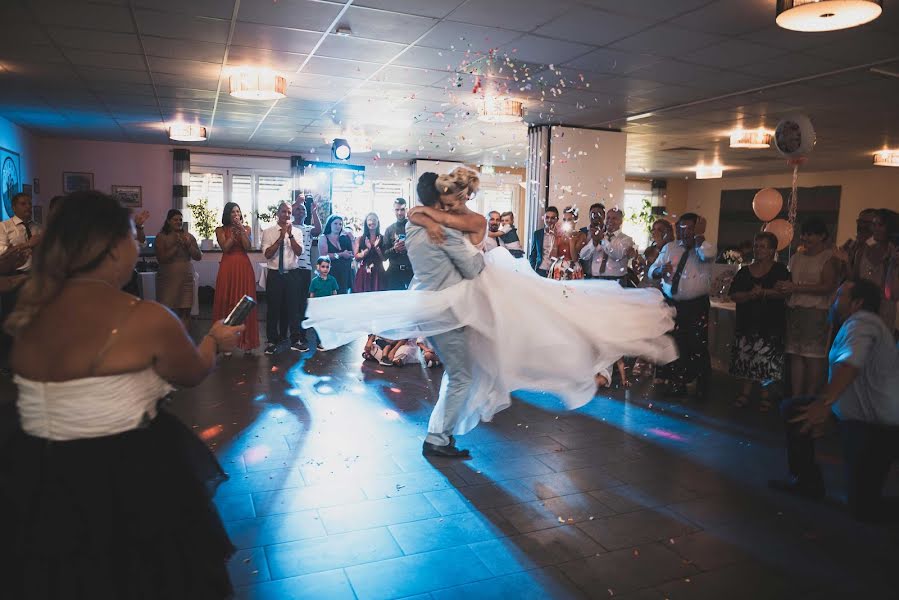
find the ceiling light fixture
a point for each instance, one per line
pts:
(340, 149)
(640, 116)
(500, 110)
(886, 158)
(254, 84)
(712, 171)
(826, 15)
(743, 138)
(185, 132)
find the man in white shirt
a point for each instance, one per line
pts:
(608, 250)
(684, 268)
(861, 397)
(304, 262)
(542, 242)
(20, 230)
(281, 246)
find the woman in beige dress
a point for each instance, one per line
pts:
(175, 248)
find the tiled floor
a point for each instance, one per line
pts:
(629, 497)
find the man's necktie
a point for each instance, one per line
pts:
(27, 230)
(605, 255)
(281, 268)
(679, 272)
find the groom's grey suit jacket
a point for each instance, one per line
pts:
(437, 266)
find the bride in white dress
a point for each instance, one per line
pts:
(526, 332)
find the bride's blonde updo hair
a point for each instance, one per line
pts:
(84, 228)
(462, 182)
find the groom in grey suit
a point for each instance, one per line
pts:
(437, 266)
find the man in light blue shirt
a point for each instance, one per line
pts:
(861, 396)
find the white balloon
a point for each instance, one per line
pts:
(794, 136)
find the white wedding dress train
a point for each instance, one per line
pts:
(525, 332)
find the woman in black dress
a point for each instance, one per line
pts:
(337, 244)
(758, 351)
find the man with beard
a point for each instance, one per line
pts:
(399, 271)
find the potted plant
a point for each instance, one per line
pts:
(204, 221)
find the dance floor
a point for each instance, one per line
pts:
(639, 498)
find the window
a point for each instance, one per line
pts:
(353, 199)
(636, 212)
(210, 186)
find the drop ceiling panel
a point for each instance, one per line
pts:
(198, 8)
(667, 40)
(726, 17)
(111, 60)
(431, 58)
(184, 49)
(297, 14)
(526, 16)
(285, 63)
(355, 48)
(789, 66)
(541, 50)
(849, 52)
(196, 82)
(594, 27)
(85, 15)
(275, 38)
(340, 68)
(463, 37)
(614, 62)
(193, 68)
(122, 76)
(95, 40)
(732, 53)
(386, 26)
(424, 8)
(189, 28)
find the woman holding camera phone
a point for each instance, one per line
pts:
(105, 493)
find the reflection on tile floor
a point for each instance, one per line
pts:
(329, 496)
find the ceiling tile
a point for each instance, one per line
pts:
(606, 60)
(284, 62)
(526, 16)
(184, 49)
(355, 48)
(409, 75)
(431, 58)
(189, 28)
(340, 68)
(78, 13)
(95, 40)
(112, 60)
(297, 14)
(541, 50)
(732, 53)
(424, 8)
(197, 82)
(666, 40)
(197, 8)
(114, 75)
(467, 38)
(870, 47)
(789, 66)
(782, 38)
(594, 27)
(726, 17)
(275, 38)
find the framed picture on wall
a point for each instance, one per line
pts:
(128, 195)
(26, 189)
(77, 182)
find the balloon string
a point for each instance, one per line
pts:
(794, 196)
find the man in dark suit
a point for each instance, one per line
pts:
(399, 273)
(541, 243)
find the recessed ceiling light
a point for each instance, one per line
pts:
(185, 132)
(500, 110)
(712, 171)
(886, 158)
(640, 116)
(826, 15)
(256, 84)
(742, 138)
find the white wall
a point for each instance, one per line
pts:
(19, 141)
(586, 166)
(876, 187)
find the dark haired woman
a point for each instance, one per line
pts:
(105, 494)
(175, 248)
(814, 274)
(757, 355)
(369, 251)
(337, 245)
(236, 277)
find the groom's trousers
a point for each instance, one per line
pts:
(452, 349)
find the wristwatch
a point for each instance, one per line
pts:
(290, 235)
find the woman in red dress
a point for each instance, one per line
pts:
(236, 278)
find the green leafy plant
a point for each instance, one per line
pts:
(271, 214)
(642, 218)
(204, 218)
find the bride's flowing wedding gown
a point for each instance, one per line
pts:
(525, 332)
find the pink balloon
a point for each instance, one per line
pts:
(783, 230)
(767, 204)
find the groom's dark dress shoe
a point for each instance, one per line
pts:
(448, 451)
